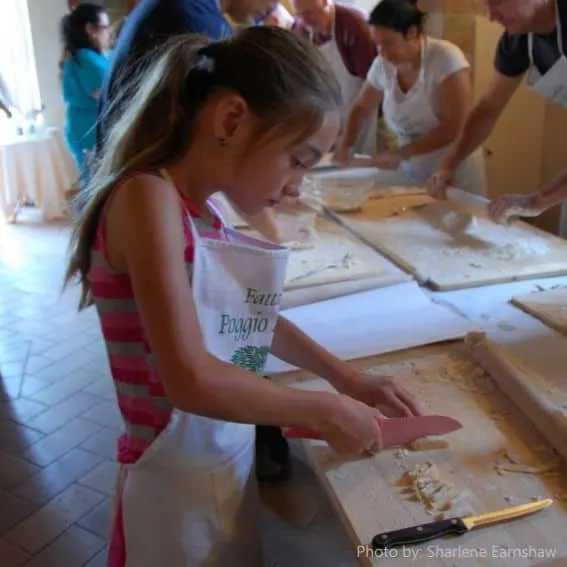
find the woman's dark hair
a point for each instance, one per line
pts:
(73, 31)
(398, 15)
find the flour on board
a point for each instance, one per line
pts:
(501, 244)
(548, 463)
(303, 265)
(457, 371)
(334, 256)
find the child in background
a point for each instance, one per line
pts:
(189, 309)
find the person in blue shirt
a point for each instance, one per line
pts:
(153, 22)
(85, 33)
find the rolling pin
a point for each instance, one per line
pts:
(459, 221)
(468, 199)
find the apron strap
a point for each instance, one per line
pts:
(531, 48)
(559, 29)
(421, 76)
(194, 232)
(334, 20)
(311, 33)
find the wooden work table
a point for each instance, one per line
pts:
(367, 494)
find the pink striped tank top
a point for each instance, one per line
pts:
(141, 397)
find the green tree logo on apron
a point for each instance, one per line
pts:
(251, 358)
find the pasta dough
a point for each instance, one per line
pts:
(440, 497)
(430, 444)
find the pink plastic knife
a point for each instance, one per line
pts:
(397, 431)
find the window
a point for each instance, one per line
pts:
(18, 75)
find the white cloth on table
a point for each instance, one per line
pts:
(37, 168)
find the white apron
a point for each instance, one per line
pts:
(191, 500)
(552, 85)
(410, 116)
(350, 89)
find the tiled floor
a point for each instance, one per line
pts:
(59, 423)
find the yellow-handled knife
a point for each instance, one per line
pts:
(455, 526)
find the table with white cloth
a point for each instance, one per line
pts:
(38, 169)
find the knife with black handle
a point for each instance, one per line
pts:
(455, 526)
(419, 534)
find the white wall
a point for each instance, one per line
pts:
(45, 16)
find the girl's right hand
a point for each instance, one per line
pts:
(352, 428)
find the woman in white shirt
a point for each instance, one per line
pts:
(425, 89)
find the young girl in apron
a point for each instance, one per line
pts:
(189, 308)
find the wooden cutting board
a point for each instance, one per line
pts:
(549, 306)
(369, 494)
(336, 256)
(488, 253)
(536, 394)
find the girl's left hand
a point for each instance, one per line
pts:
(387, 159)
(385, 393)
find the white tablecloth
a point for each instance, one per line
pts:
(37, 168)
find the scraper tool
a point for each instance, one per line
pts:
(459, 221)
(397, 431)
(451, 220)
